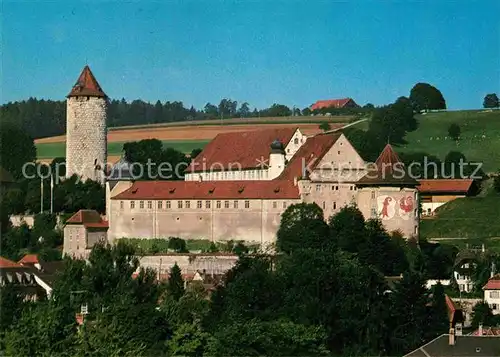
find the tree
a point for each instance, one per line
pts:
(491, 101)
(188, 340)
(496, 182)
(454, 131)
(211, 110)
(439, 321)
(175, 283)
(244, 110)
(408, 313)
(16, 149)
(482, 315)
(306, 111)
(268, 338)
(325, 126)
(426, 97)
(302, 226)
(368, 106)
(347, 229)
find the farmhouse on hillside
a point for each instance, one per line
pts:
(334, 103)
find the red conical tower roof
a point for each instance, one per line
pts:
(87, 86)
(388, 170)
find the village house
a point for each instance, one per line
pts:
(436, 192)
(492, 293)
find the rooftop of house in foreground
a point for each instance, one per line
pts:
(464, 346)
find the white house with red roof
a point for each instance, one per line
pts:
(82, 230)
(492, 293)
(436, 192)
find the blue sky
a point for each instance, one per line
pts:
(262, 52)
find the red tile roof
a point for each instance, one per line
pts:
(329, 103)
(493, 283)
(6, 263)
(209, 190)
(487, 331)
(87, 85)
(309, 156)
(89, 218)
(29, 259)
(445, 185)
(245, 150)
(388, 169)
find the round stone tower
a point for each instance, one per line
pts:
(86, 132)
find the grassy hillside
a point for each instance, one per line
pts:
(470, 217)
(480, 138)
(52, 150)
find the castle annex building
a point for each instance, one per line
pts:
(240, 184)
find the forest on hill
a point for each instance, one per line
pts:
(44, 118)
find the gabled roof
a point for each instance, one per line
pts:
(330, 103)
(87, 85)
(493, 283)
(479, 346)
(309, 156)
(245, 150)
(445, 185)
(89, 218)
(6, 263)
(29, 259)
(209, 190)
(388, 169)
(121, 171)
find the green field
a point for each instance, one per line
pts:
(480, 136)
(52, 150)
(469, 217)
(245, 121)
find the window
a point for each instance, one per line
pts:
(207, 204)
(296, 141)
(218, 204)
(247, 204)
(373, 195)
(225, 175)
(235, 203)
(494, 306)
(338, 152)
(494, 294)
(374, 213)
(167, 204)
(141, 204)
(284, 205)
(150, 204)
(350, 188)
(275, 204)
(179, 204)
(318, 188)
(334, 205)
(188, 204)
(336, 188)
(226, 204)
(333, 188)
(324, 205)
(416, 229)
(132, 204)
(121, 204)
(198, 204)
(160, 204)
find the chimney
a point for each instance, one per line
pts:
(480, 330)
(452, 337)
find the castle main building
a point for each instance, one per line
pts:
(240, 184)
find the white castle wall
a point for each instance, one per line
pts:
(86, 141)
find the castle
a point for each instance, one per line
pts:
(237, 187)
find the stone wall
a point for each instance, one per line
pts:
(86, 142)
(255, 221)
(217, 263)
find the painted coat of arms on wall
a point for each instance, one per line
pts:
(406, 206)
(386, 207)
